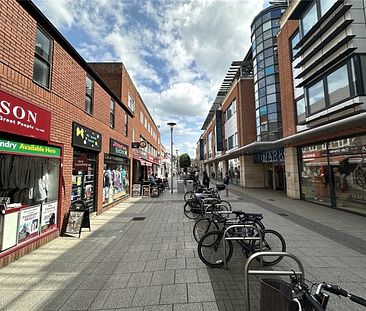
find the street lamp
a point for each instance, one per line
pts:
(171, 124)
(176, 150)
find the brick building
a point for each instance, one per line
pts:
(65, 133)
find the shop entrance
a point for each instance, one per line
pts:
(83, 178)
(275, 177)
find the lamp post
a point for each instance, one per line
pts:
(171, 124)
(178, 170)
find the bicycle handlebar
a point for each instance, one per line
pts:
(334, 289)
(311, 301)
(357, 299)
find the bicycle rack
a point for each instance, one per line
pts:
(254, 238)
(267, 272)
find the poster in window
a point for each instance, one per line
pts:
(49, 216)
(28, 226)
(74, 222)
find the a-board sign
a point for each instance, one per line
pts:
(154, 192)
(145, 191)
(78, 218)
(136, 190)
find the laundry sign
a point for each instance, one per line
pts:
(9, 146)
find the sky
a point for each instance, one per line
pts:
(176, 51)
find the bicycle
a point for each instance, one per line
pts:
(211, 248)
(196, 208)
(215, 220)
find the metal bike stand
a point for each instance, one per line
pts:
(266, 272)
(242, 238)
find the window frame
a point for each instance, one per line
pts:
(131, 100)
(312, 4)
(91, 96)
(112, 113)
(126, 125)
(42, 59)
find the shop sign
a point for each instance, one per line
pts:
(81, 163)
(16, 147)
(28, 225)
(49, 216)
(135, 144)
(269, 156)
(22, 118)
(118, 149)
(86, 138)
(151, 158)
(136, 190)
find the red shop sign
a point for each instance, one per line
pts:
(22, 118)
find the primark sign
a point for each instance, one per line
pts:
(277, 155)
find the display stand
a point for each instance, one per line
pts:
(78, 218)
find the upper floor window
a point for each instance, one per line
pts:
(295, 40)
(309, 19)
(42, 59)
(338, 85)
(325, 5)
(131, 103)
(133, 134)
(89, 95)
(316, 97)
(126, 124)
(141, 117)
(112, 108)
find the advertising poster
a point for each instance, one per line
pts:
(136, 190)
(145, 191)
(74, 222)
(29, 223)
(49, 216)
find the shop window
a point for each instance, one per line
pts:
(316, 97)
(131, 103)
(89, 95)
(42, 59)
(338, 85)
(112, 113)
(309, 19)
(126, 125)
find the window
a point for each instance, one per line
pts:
(126, 124)
(301, 110)
(112, 113)
(133, 134)
(338, 85)
(325, 5)
(42, 59)
(141, 117)
(131, 103)
(309, 19)
(88, 95)
(316, 97)
(295, 40)
(230, 142)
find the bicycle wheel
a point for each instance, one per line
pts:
(272, 241)
(192, 209)
(188, 195)
(202, 226)
(211, 250)
(225, 206)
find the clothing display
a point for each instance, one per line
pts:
(115, 183)
(24, 179)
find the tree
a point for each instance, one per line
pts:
(184, 160)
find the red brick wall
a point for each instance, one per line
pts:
(65, 99)
(285, 74)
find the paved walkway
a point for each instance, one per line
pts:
(152, 264)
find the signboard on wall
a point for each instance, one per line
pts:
(86, 138)
(271, 156)
(219, 135)
(117, 148)
(22, 118)
(28, 225)
(49, 216)
(32, 149)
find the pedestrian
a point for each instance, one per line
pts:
(226, 183)
(206, 180)
(213, 175)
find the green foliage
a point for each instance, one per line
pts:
(184, 160)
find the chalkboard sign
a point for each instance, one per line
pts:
(145, 191)
(78, 218)
(136, 190)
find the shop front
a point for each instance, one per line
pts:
(333, 173)
(116, 173)
(144, 164)
(273, 168)
(29, 174)
(87, 146)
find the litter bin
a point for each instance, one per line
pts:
(189, 185)
(180, 186)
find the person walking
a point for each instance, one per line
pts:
(206, 180)
(226, 183)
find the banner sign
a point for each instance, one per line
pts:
(117, 148)
(49, 216)
(219, 135)
(269, 156)
(86, 138)
(28, 225)
(22, 118)
(16, 147)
